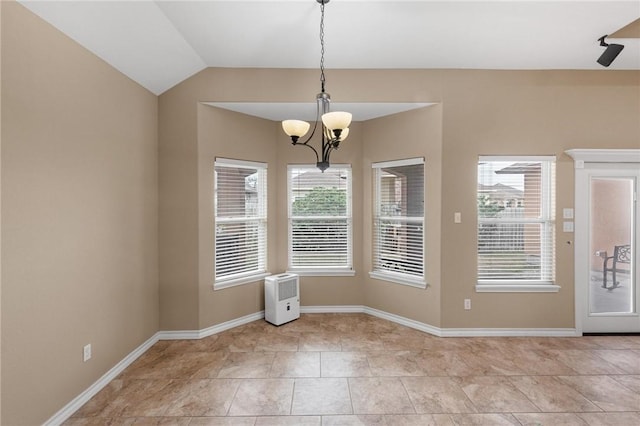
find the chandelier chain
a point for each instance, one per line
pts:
(336, 128)
(322, 78)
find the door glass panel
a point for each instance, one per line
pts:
(611, 289)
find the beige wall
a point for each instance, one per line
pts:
(178, 211)
(411, 134)
(85, 150)
(523, 113)
(478, 113)
(79, 217)
(191, 135)
(226, 134)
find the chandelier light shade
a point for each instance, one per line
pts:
(295, 128)
(336, 121)
(335, 125)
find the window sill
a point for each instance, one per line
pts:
(234, 282)
(517, 288)
(323, 272)
(399, 279)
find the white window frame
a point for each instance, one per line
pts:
(378, 272)
(324, 270)
(254, 274)
(548, 222)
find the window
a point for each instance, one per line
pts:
(320, 224)
(516, 224)
(398, 222)
(240, 222)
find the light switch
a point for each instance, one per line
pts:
(567, 226)
(457, 217)
(567, 213)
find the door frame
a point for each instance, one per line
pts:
(581, 218)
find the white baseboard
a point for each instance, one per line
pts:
(404, 321)
(68, 410)
(209, 331)
(444, 332)
(73, 406)
(333, 309)
(510, 332)
(85, 396)
(215, 329)
(179, 335)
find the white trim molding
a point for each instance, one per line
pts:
(333, 309)
(222, 284)
(443, 332)
(510, 332)
(73, 406)
(586, 163)
(327, 272)
(245, 164)
(396, 278)
(398, 163)
(209, 331)
(421, 326)
(228, 325)
(604, 156)
(68, 410)
(515, 288)
(517, 158)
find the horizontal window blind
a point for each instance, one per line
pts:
(398, 234)
(320, 222)
(240, 219)
(516, 220)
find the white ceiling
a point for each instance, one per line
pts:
(161, 43)
(308, 111)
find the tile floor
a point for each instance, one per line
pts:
(355, 369)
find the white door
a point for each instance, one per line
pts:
(606, 238)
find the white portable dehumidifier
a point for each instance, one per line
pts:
(281, 298)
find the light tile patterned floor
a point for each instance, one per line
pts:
(355, 369)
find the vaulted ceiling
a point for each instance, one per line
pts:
(161, 43)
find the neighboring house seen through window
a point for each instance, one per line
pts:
(240, 222)
(516, 224)
(320, 220)
(398, 222)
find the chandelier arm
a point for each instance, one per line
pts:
(328, 146)
(305, 143)
(313, 132)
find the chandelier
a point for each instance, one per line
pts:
(335, 125)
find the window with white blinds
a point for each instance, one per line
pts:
(240, 221)
(516, 220)
(398, 222)
(320, 222)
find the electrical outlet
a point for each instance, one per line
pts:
(86, 352)
(467, 304)
(457, 217)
